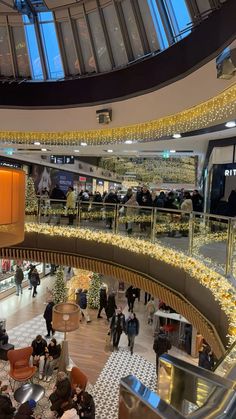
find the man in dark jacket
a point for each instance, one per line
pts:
(130, 295)
(48, 318)
(117, 327)
(161, 345)
(3, 336)
(38, 356)
(111, 198)
(57, 197)
(82, 303)
(19, 276)
(197, 201)
(61, 394)
(132, 330)
(102, 301)
(111, 305)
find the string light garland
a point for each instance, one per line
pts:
(220, 107)
(221, 288)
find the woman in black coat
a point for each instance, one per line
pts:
(62, 393)
(86, 407)
(102, 301)
(111, 306)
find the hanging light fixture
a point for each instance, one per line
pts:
(12, 208)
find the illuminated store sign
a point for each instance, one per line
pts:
(230, 172)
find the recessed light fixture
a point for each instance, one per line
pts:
(177, 135)
(172, 151)
(76, 151)
(83, 144)
(128, 142)
(37, 143)
(230, 124)
(110, 151)
(43, 149)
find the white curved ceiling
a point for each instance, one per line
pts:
(197, 87)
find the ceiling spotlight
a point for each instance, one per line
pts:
(83, 144)
(172, 151)
(110, 151)
(176, 135)
(128, 142)
(230, 124)
(76, 151)
(43, 149)
(36, 143)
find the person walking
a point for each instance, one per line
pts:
(102, 301)
(19, 276)
(35, 281)
(161, 345)
(151, 308)
(31, 268)
(82, 303)
(130, 295)
(70, 204)
(48, 317)
(132, 330)
(117, 327)
(111, 305)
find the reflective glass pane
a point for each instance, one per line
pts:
(73, 64)
(132, 29)
(85, 43)
(99, 42)
(115, 36)
(21, 51)
(159, 27)
(149, 25)
(52, 52)
(179, 15)
(45, 17)
(35, 62)
(5, 55)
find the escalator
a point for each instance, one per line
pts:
(183, 391)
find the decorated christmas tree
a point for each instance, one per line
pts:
(94, 290)
(60, 290)
(31, 202)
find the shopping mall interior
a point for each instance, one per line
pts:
(118, 206)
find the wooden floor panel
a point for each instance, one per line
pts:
(86, 345)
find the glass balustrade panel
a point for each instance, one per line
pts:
(135, 221)
(97, 216)
(172, 229)
(210, 234)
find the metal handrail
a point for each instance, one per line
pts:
(187, 221)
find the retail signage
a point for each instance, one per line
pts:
(230, 172)
(82, 179)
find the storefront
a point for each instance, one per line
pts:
(220, 179)
(7, 272)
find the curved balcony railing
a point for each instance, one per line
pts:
(207, 237)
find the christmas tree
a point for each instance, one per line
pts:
(31, 202)
(94, 291)
(60, 290)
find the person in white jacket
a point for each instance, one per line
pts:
(187, 204)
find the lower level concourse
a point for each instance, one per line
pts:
(90, 346)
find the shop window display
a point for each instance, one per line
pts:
(7, 272)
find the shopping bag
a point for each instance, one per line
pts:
(108, 343)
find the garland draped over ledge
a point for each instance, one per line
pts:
(220, 287)
(216, 109)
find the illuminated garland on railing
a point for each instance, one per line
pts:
(221, 288)
(220, 107)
